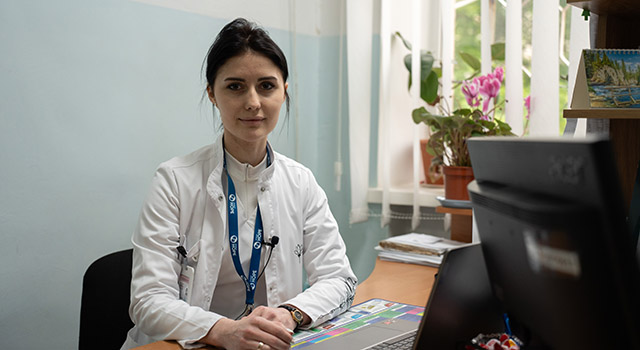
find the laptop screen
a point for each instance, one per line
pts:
(461, 304)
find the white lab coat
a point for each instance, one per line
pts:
(187, 206)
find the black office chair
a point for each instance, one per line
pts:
(104, 312)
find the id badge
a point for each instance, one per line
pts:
(186, 283)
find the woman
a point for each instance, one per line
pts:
(226, 231)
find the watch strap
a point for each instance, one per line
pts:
(295, 314)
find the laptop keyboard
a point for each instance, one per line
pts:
(401, 343)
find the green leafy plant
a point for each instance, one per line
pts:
(450, 130)
(449, 134)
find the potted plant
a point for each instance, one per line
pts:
(448, 144)
(450, 129)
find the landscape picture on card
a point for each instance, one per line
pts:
(613, 78)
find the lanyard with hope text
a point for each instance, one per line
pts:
(254, 266)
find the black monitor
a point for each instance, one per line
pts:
(557, 246)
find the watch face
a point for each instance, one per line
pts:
(297, 315)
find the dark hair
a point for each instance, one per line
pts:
(238, 37)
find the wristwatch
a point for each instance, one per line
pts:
(295, 314)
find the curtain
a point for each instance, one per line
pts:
(487, 17)
(514, 100)
(448, 49)
(359, 53)
(416, 101)
(544, 69)
(384, 110)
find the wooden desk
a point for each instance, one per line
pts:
(163, 345)
(404, 283)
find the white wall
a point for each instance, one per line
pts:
(316, 17)
(95, 94)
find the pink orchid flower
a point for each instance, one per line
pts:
(481, 79)
(499, 73)
(470, 89)
(489, 88)
(527, 104)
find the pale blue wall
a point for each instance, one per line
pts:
(96, 93)
(360, 238)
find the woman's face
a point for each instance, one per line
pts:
(248, 90)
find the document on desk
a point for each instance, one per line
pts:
(416, 248)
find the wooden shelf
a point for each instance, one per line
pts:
(622, 8)
(618, 27)
(618, 24)
(603, 113)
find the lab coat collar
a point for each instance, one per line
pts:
(214, 184)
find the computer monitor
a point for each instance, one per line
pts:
(556, 243)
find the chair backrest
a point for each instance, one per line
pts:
(104, 312)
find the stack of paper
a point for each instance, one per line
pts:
(416, 248)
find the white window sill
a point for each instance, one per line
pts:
(403, 195)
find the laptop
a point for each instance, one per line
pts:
(461, 306)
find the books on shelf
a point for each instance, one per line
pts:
(416, 248)
(607, 78)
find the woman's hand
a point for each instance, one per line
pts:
(276, 314)
(268, 326)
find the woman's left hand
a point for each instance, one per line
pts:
(276, 314)
(263, 329)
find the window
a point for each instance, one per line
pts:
(446, 28)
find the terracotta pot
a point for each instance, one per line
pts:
(456, 179)
(426, 162)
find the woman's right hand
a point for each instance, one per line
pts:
(248, 333)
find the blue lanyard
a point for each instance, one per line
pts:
(254, 266)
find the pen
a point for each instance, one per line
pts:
(182, 251)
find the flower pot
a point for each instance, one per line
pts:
(456, 179)
(426, 163)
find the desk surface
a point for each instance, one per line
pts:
(400, 282)
(404, 283)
